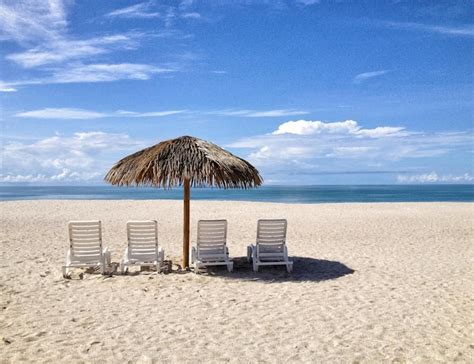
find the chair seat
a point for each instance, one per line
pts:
(270, 248)
(142, 248)
(85, 247)
(211, 248)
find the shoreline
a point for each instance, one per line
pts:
(241, 201)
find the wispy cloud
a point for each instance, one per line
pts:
(6, 88)
(308, 2)
(167, 13)
(141, 10)
(67, 50)
(81, 114)
(108, 72)
(462, 31)
(40, 27)
(90, 73)
(257, 113)
(26, 21)
(362, 77)
(149, 113)
(61, 113)
(75, 113)
(191, 15)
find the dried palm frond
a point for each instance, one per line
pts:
(169, 163)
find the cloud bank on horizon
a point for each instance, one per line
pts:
(308, 96)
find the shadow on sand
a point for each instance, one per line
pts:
(304, 269)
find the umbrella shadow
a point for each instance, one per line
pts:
(304, 269)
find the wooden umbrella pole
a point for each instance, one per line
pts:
(187, 193)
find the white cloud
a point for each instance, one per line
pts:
(168, 13)
(463, 31)
(107, 72)
(281, 153)
(257, 113)
(157, 113)
(361, 77)
(307, 147)
(141, 10)
(61, 113)
(74, 113)
(308, 127)
(382, 131)
(434, 177)
(6, 88)
(308, 2)
(191, 16)
(81, 157)
(275, 113)
(81, 114)
(349, 152)
(90, 73)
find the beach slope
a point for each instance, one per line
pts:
(385, 282)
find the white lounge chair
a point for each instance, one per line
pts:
(211, 248)
(142, 248)
(85, 247)
(270, 248)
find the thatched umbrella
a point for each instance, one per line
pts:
(184, 161)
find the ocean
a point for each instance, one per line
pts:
(288, 194)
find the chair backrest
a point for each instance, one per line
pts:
(85, 239)
(271, 235)
(142, 238)
(212, 236)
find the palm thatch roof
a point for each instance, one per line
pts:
(169, 163)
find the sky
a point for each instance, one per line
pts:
(310, 92)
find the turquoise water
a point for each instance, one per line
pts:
(293, 194)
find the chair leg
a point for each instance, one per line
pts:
(124, 262)
(123, 267)
(255, 266)
(106, 260)
(193, 254)
(66, 266)
(230, 267)
(65, 272)
(254, 259)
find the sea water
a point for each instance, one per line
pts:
(289, 194)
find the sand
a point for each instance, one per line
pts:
(386, 282)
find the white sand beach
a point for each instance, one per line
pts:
(385, 282)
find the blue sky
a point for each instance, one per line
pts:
(310, 92)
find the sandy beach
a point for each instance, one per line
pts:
(386, 282)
